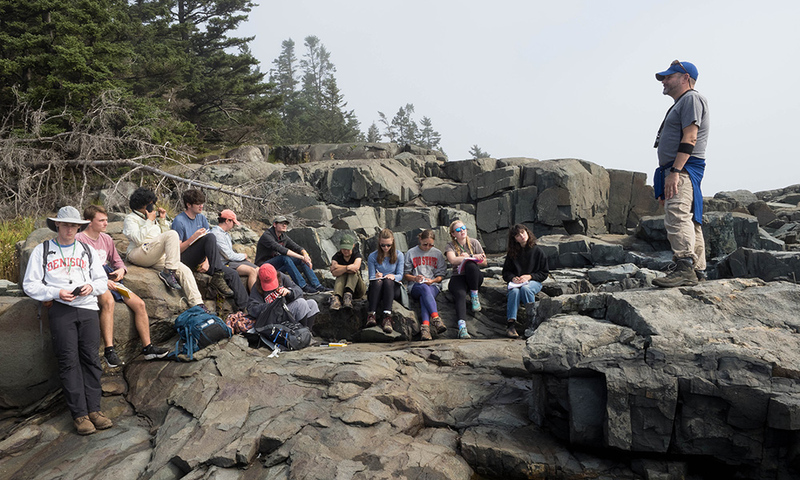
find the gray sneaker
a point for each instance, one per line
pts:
(168, 277)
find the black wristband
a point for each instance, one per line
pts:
(675, 170)
(687, 148)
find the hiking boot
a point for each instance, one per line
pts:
(100, 421)
(425, 332)
(336, 303)
(348, 300)
(701, 275)
(386, 324)
(371, 322)
(438, 325)
(151, 352)
(218, 282)
(475, 303)
(511, 331)
(168, 277)
(112, 359)
(682, 276)
(84, 426)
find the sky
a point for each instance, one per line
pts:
(564, 79)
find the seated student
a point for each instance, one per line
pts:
(200, 251)
(108, 256)
(284, 254)
(525, 269)
(64, 275)
(466, 278)
(153, 244)
(424, 271)
(346, 267)
(273, 284)
(385, 267)
(237, 261)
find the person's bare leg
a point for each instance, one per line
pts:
(140, 319)
(251, 273)
(106, 304)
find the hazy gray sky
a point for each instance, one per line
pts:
(564, 79)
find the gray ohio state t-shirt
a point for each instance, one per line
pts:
(690, 108)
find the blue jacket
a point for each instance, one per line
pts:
(695, 167)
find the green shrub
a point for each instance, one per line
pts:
(12, 231)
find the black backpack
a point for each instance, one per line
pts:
(277, 328)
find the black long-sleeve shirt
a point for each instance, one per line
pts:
(530, 261)
(271, 245)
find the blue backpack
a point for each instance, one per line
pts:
(198, 329)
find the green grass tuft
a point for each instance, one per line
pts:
(11, 232)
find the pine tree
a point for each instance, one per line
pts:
(476, 152)
(428, 137)
(187, 57)
(61, 54)
(373, 134)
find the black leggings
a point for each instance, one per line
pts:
(381, 293)
(460, 286)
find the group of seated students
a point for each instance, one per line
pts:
(78, 276)
(423, 268)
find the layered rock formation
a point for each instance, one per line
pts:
(619, 380)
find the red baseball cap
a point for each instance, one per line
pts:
(229, 215)
(268, 277)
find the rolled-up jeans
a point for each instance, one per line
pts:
(292, 267)
(524, 294)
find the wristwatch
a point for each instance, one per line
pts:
(675, 170)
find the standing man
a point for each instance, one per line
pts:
(237, 261)
(66, 275)
(681, 144)
(96, 236)
(275, 247)
(199, 250)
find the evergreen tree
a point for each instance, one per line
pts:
(428, 137)
(317, 112)
(61, 54)
(187, 58)
(476, 152)
(373, 134)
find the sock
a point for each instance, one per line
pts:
(426, 322)
(473, 293)
(435, 315)
(387, 312)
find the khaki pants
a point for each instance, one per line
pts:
(684, 234)
(165, 252)
(352, 281)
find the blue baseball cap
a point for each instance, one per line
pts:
(678, 67)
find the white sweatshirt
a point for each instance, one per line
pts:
(67, 268)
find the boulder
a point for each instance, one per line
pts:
(28, 371)
(698, 378)
(489, 183)
(436, 191)
(629, 199)
(572, 195)
(384, 182)
(465, 170)
(766, 265)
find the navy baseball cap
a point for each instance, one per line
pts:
(678, 67)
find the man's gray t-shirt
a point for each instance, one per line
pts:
(690, 108)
